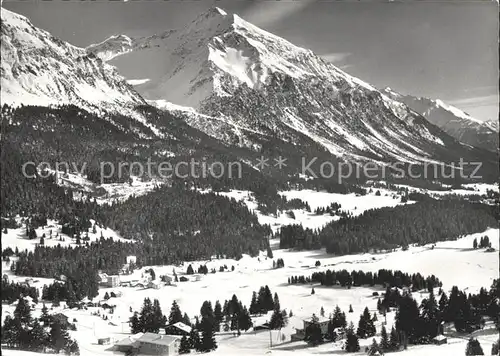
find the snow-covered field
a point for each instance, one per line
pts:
(454, 262)
(17, 237)
(355, 204)
(467, 189)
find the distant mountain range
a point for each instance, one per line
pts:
(232, 81)
(452, 120)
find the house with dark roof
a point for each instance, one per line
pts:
(321, 321)
(178, 328)
(440, 340)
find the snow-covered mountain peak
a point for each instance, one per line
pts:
(40, 69)
(452, 120)
(107, 49)
(223, 66)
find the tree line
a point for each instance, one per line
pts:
(383, 277)
(392, 227)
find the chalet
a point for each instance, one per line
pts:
(264, 326)
(108, 306)
(439, 340)
(104, 341)
(125, 269)
(108, 281)
(166, 279)
(113, 281)
(103, 278)
(301, 333)
(178, 328)
(149, 344)
(28, 281)
(154, 284)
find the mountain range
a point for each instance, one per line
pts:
(452, 120)
(230, 80)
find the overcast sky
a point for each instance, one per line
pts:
(440, 49)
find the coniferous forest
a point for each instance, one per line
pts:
(388, 228)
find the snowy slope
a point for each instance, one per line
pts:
(224, 67)
(452, 120)
(39, 69)
(453, 262)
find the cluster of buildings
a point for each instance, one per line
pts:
(149, 344)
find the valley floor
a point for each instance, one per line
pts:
(453, 262)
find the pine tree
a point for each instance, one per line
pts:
(277, 320)
(269, 252)
(352, 342)
(313, 333)
(322, 312)
(146, 319)
(365, 326)
(11, 331)
(254, 307)
(71, 295)
(55, 299)
(339, 318)
(38, 337)
(244, 320)
(350, 308)
(73, 348)
(408, 318)
(394, 340)
(208, 342)
(175, 314)
(186, 320)
(184, 347)
(194, 339)
(495, 348)
(443, 307)
(473, 348)
(23, 312)
(384, 340)
(135, 324)
(430, 315)
(157, 319)
(268, 299)
(374, 348)
(312, 291)
(330, 333)
(58, 336)
(45, 317)
(218, 312)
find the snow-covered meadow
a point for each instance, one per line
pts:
(454, 262)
